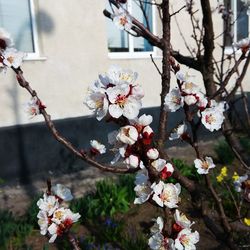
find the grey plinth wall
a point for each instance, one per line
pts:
(30, 150)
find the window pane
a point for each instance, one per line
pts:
(141, 44)
(242, 21)
(15, 17)
(117, 39)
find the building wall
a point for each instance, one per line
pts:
(73, 46)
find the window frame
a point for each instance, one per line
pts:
(230, 49)
(36, 54)
(235, 28)
(131, 54)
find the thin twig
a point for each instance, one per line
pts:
(153, 61)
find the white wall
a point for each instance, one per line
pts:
(72, 38)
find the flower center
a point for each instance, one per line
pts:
(123, 21)
(10, 59)
(184, 239)
(210, 119)
(125, 77)
(58, 215)
(165, 196)
(121, 100)
(99, 104)
(204, 165)
(189, 85)
(176, 100)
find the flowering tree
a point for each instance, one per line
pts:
(116, 97)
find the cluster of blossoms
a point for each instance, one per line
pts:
(188, 93)
(115, 94)
(9, 56)
(181, 232)
(53, 218)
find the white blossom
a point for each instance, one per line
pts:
(152, 153)
(116, 75)
(53, 230)
(97, 101)
(43, 221)
(155, 242)
(243, 44)
(98, 147)
(137, 92)
(145, 120)
(143, 193)
(132, 161)
(141, 177)
(12, 57)
(127, 134)
(142, 188)
(239, 181)
(122, 103)
(190, 99)
(62, 214)
(203, 166)
(173, 100)
(182, 220)
(201, 100)
(159, 164)
(178, 132)
(122, 19)
(32, 107)
(189, 88)
(166, 194)
(186, 240)
(48, 203)
(62, 192)
(158, 242)
(212, 118)
(158, 226)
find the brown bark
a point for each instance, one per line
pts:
(165, 75)
(208, 43)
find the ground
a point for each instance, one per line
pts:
(83, 181)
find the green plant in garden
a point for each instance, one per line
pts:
(186, 169)
(13, 231)
(245, 142)
(109, 199)
(224, 153)
(128, 181)
(32, 211)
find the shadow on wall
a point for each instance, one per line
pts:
(21, 140)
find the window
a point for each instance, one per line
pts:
(240, 29)
(17, 17)
(123, 45)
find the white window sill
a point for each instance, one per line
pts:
(229, 50)
(138, 55)
(34, 57)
